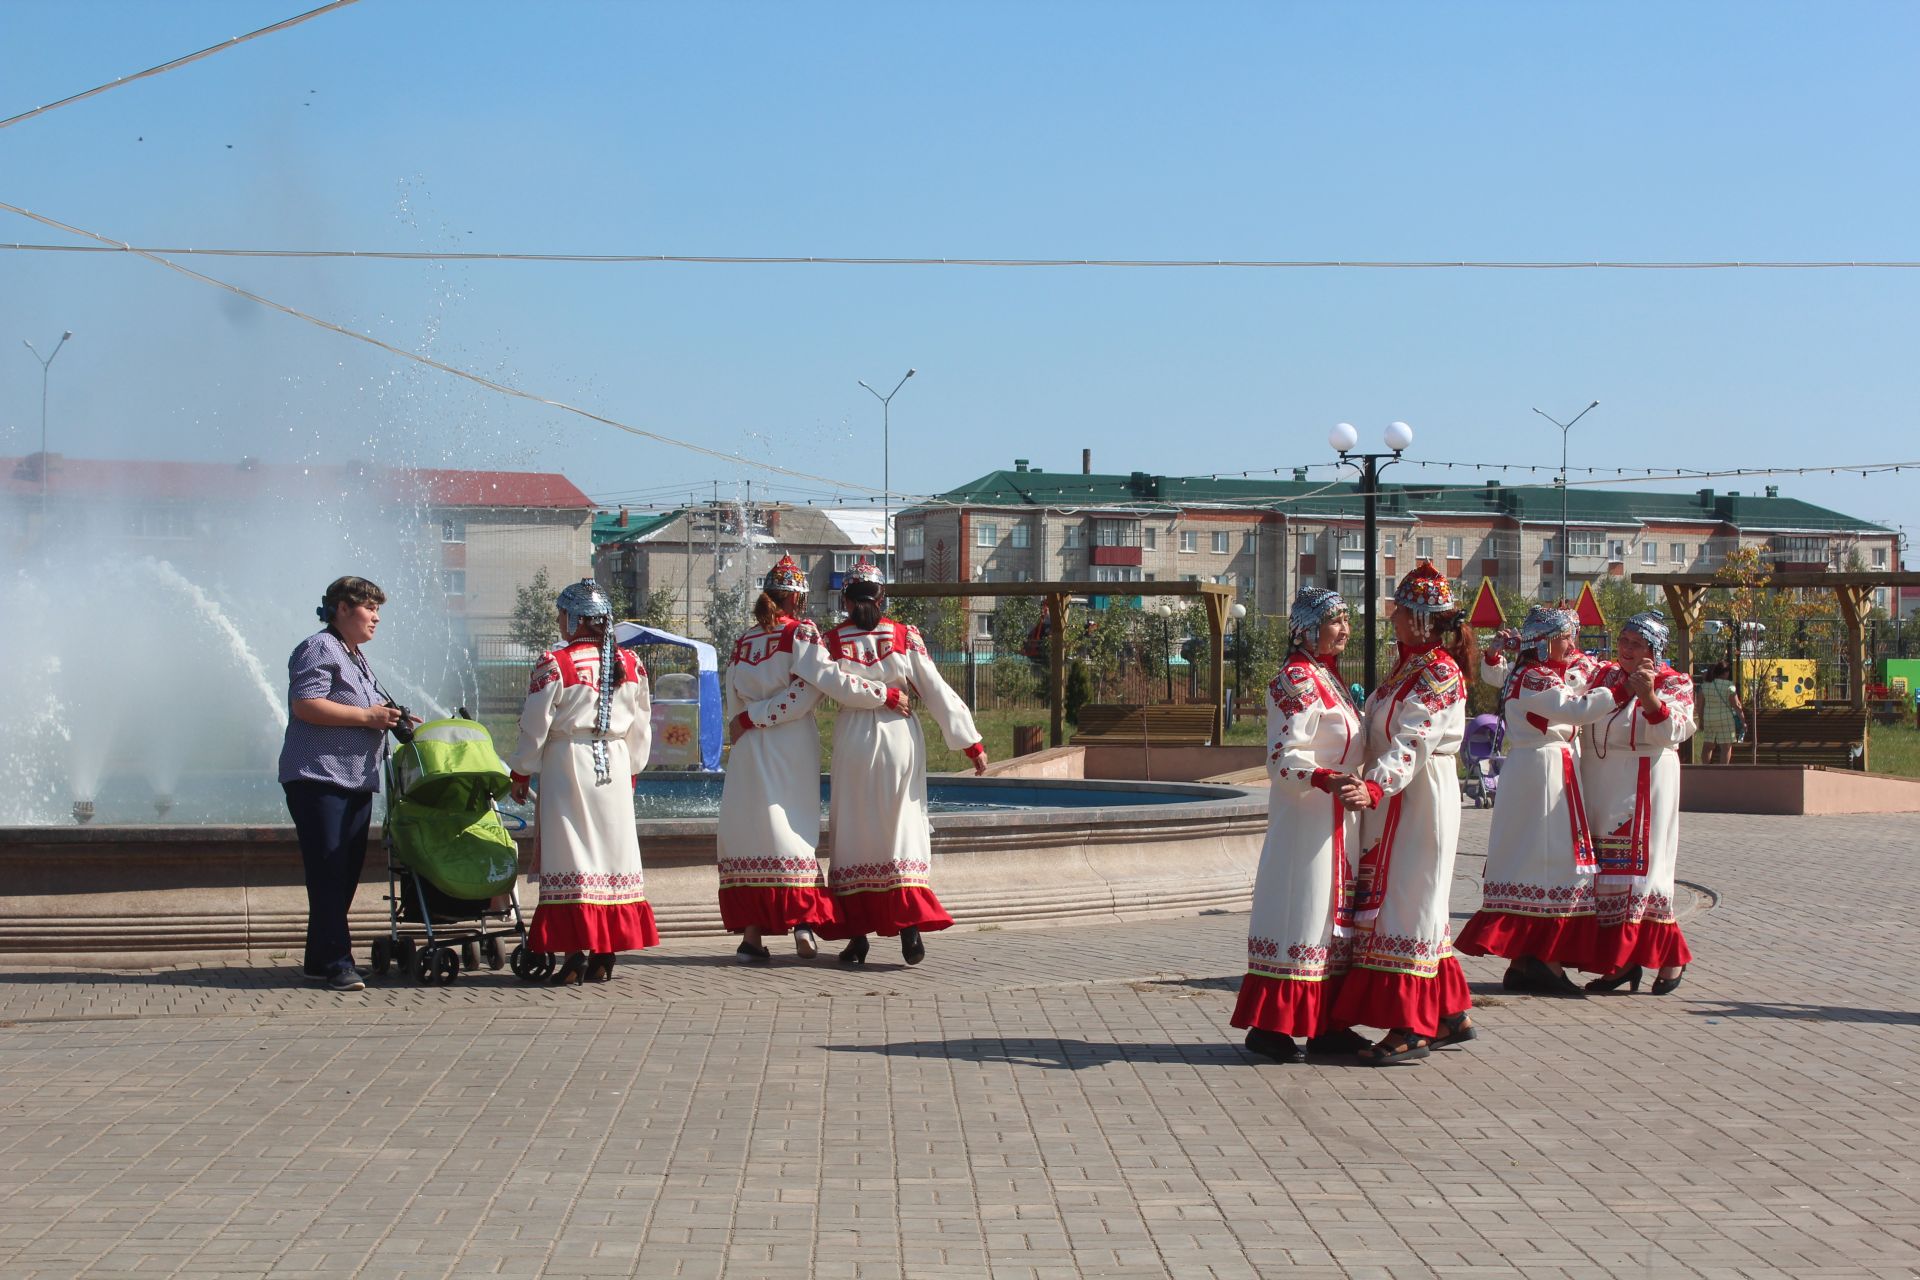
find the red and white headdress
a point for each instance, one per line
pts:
(1426, 591)
(786, 576)
(865, 572)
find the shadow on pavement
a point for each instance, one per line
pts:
(1718, 1008)
(1058, 1055)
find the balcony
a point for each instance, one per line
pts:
(1127, 556)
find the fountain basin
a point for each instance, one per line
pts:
(1006, 853)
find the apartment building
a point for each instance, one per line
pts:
(698, 552)
(1268, 537)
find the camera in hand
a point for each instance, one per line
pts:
(403, 729)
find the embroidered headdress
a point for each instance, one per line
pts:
(1650, 626)
(786, 576)
(1426, 594)
(864, 581)
(1544, 622)
(582, 602)
(1312, 606)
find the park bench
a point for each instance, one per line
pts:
(1835, 736)
(1121, 724)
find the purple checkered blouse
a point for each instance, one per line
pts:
(342, 755)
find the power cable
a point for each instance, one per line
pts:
(178, 62)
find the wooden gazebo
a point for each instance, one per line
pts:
(1217, 597)
(1686, 592)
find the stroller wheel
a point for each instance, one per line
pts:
(469, 956)
(518, 960)
(403, 954)
(490, 952)
(446, 967)
(382, 956)
(423, 965)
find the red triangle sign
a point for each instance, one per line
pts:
(1587, 609)
(1486, 613)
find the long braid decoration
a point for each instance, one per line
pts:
(603, 714)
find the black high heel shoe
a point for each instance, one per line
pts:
(1663, 985)
(1614, 981)
(600, 967)
(1271, 1044)
(749, 953)
(912, 949)
(571, 972)
(856, 951)
(1548, 983)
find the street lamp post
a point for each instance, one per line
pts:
(1343, 438)
(1166, 645)
(1239, 615)
(45, 366)
(1565, 587)
(886, 466)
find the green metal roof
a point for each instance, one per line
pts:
(1539, 504)
(607, 527)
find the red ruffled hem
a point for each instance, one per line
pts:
(1374, 998)
(1656, 946)
(886, 913)
(1556, 939)
(774, 911)
(1285, 1006)
(576, 926)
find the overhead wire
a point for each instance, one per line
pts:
(164, 67)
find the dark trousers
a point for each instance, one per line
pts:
(332, 825)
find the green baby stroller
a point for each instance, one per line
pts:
(451, 864)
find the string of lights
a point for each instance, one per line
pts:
(164, 67)
(834, 260)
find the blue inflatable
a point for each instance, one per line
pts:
(707, 711)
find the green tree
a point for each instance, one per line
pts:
(660, 610)
(533, 624)
(941, 620)
(1013, 620)
(729, 612)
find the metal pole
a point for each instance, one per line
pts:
(1564, 550)
(45, 366)
(1369, 476)
(886, 469)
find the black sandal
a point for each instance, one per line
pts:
(1410, 1050)
(750, 954)
(1344, 1040)
(1455, 1030)
(1271, 1044)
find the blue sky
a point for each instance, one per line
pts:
(1497, 131)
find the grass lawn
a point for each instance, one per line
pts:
(1894, 748)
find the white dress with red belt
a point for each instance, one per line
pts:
(882, 840)
(770, 800)
(593, 893)
(1297, 936)
(1631, 771)
(1538, 883)
(1403, 972)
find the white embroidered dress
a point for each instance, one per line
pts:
(1538, 883)
(1296, 937)
(1631, 772)
(1403, 971)
(592, 889)
(882, 841)
(770, 800)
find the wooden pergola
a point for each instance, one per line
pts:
(1217, 597)
(1686, 592)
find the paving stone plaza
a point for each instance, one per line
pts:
(1028, 1103)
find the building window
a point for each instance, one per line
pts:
(1115, 573)
(1021, 575)
(986, 534)
(1220, 544)
(453, 529)
(1616, 550)
(1072, 542)
(1387, 545)
(913, 537)
(1022, 535)
(1800, 550)
(1350, 539)
(453, 581)
(983, 625)
(845, 560)
(1222, 579)
(1880, 597)
(1879, 557)
(1150, 539)
(1116, 533)
(1189, 577)
(1649, 553)
(1456, 547)
(1189, 540)
(1652, 592)
(1249, 542)
(1423, 548)
(1353, 586)
(1587, 542)
(1677, 553)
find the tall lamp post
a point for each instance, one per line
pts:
(45, 366)
(1565, 589)
(886, 465)
(1239, 615)
(1166, 644)
(1343, 438)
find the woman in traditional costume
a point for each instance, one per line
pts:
(1403, 974)
(586, 729)
(770, 879)
(1631, 772)
(1537, 909)
(1297, 937)
(882, 841)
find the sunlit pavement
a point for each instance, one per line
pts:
(1066, 1102)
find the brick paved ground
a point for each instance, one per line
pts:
(1027, 1104)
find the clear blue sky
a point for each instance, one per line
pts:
(1498, 131)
